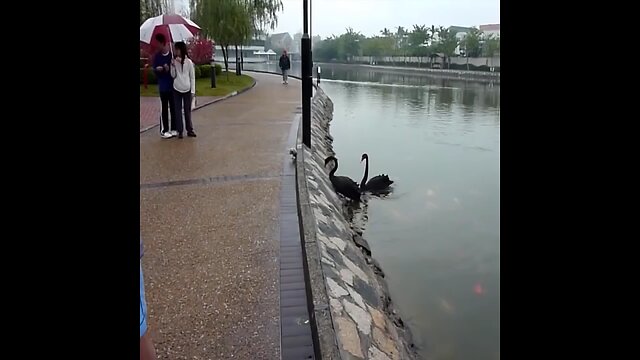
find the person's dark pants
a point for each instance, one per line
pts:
(168, 106)
(183, 100)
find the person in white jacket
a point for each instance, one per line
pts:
(184, 88)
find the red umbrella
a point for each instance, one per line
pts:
(173, 27)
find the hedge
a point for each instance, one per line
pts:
(202, 71)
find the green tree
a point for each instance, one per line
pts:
(264, 13)
(418, 40)
(386, 33)
(228, 22)
(327, 49)
(349, 44)
(377, 46)
(401, 40)
(447, 44)
(491, 45)
(472, 43)
(151, 8)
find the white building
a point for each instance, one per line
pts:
(490, 29)
(461, 33)
(250, 53)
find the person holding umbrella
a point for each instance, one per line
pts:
(166, 29)
(161, 66)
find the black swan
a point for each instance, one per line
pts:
(377, 183)
(342, 184)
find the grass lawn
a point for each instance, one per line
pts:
(203, 85)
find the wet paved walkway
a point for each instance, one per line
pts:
(150, 109)
(209, 214)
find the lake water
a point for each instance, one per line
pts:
(437, 235)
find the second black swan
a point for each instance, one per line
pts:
(377, 183)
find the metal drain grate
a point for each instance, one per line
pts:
(295, 325)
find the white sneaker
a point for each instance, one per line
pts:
(167, 135)
(174, 133)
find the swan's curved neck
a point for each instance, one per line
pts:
(366, 172)
(335, 168)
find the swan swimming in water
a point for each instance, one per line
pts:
(377, 183)
(342, 184)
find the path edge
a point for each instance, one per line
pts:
(198, 107)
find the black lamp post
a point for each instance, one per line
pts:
(306, 77)
(213, 66)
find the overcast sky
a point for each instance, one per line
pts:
(371, 16)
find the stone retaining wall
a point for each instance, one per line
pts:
(352, 310)
(483, 76)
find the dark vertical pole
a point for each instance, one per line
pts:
(306, 77)
(311, 43)
(238, 72)
(213, 74)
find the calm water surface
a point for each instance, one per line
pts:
(437, 236)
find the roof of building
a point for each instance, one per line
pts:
(490, 27)
(280, 37)
(457, 29)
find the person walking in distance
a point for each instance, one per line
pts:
(161, 66)
(285, 65)
(184, 86)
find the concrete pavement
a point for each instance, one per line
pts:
(209, 220)
(150, 109)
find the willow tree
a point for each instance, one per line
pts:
(232, 22)
(228, 22)
(151, 8)
(264, 13)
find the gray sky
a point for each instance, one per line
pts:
(371, 16)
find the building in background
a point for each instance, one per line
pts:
(250, 54)
(490, 29)
(297, 43)
(461, 32)
(279, 42)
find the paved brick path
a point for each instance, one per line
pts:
(209, 217)
(150, 109)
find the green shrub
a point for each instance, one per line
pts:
(151, 76)
(218, 69)
(198, 72)
(205, 70)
